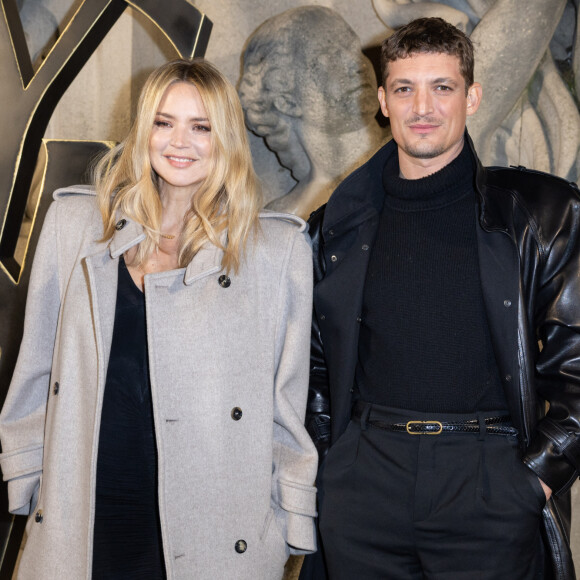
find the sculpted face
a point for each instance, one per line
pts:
(338, 86)
(263, 85)
(180, 142)
(426, 102)
(305, 78)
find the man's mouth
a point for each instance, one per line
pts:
(423, 127)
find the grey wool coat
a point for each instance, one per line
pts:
(236, 495)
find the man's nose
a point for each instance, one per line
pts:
(423, 102)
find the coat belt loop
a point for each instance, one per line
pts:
(482, 426)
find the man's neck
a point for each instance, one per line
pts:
(416, 168)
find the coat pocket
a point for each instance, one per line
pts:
(275, 550)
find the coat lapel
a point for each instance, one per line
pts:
(499, 272)
(350, 224)
(338, 303)
(102, 273)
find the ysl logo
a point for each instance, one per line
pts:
(27, 100)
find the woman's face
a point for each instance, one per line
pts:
(180, 143)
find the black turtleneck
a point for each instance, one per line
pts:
(424, 342)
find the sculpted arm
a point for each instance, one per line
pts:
(23, 414)
(503, 35)
(396, 13)
(295, 458)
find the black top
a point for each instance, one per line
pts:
(424, 341)
(127, 540)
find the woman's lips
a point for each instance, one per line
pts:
(176, 161)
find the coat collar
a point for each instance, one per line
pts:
(127, 234)
(207, 261)
(361, 194)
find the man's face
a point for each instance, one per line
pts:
(425, 99)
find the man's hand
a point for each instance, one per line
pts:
(546, 489)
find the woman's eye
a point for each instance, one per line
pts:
(161, 124)
(202, 128)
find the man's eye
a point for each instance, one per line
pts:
(403, 90)
(444, 88)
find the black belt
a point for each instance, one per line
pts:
(500, 425)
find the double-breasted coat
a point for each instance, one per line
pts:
(229, 379)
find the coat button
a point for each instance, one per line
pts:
(365, 247)
(508, 378)
(333, 258)
(322, 317)
(331, 232)
(236, 413)
(38, 517)
(507, 303)
(241, 546)
(56, 388)
(120, 224)
(224, 281)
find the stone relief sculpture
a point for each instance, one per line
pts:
(528, 114)
(310, 92)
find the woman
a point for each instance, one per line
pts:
(154, 424)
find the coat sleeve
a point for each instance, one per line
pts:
(294, 455)
(318, 407)
(554, 451)
(23, 414)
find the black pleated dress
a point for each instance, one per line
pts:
(127, 536)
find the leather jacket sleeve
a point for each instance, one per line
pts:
(318, 406)
(554, 451)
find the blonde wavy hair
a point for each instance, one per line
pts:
(228, 199)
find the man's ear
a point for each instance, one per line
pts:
(383, 101)
(287, 105)
(474, 94)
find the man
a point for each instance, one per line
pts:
(447, 317)
(310, 92)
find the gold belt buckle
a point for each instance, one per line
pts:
(436, 423)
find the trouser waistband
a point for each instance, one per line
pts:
(419, 423)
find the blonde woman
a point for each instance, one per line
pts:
(154, 424)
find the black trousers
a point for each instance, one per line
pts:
(456, 506)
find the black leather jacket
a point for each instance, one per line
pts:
(528, 235)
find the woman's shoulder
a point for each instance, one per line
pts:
(74, 215)
(280, 230)
(76, 202)
(282, 234)
(281, 223)
(81, 195)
